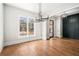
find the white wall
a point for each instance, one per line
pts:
(1, 26)
(58, 27)
(38, 30)
(45, 30)
(12, 15)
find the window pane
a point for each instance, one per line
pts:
(30, 27)
(23, 26)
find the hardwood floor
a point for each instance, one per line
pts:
(52, 47)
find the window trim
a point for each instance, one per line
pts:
(27, 27)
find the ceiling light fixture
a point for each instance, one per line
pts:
(40, 16)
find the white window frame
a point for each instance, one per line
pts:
(27, 27)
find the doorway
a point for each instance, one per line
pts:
(51, 28)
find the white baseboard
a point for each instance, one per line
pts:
(17, 41)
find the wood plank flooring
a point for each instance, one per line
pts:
(52, 47)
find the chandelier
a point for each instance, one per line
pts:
(40, 16)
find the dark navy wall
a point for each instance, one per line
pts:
(71, 26)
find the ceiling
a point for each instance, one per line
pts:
(47, 8)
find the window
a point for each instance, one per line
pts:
(31, 27)
(26, 26)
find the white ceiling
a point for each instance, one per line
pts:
(47, 8)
